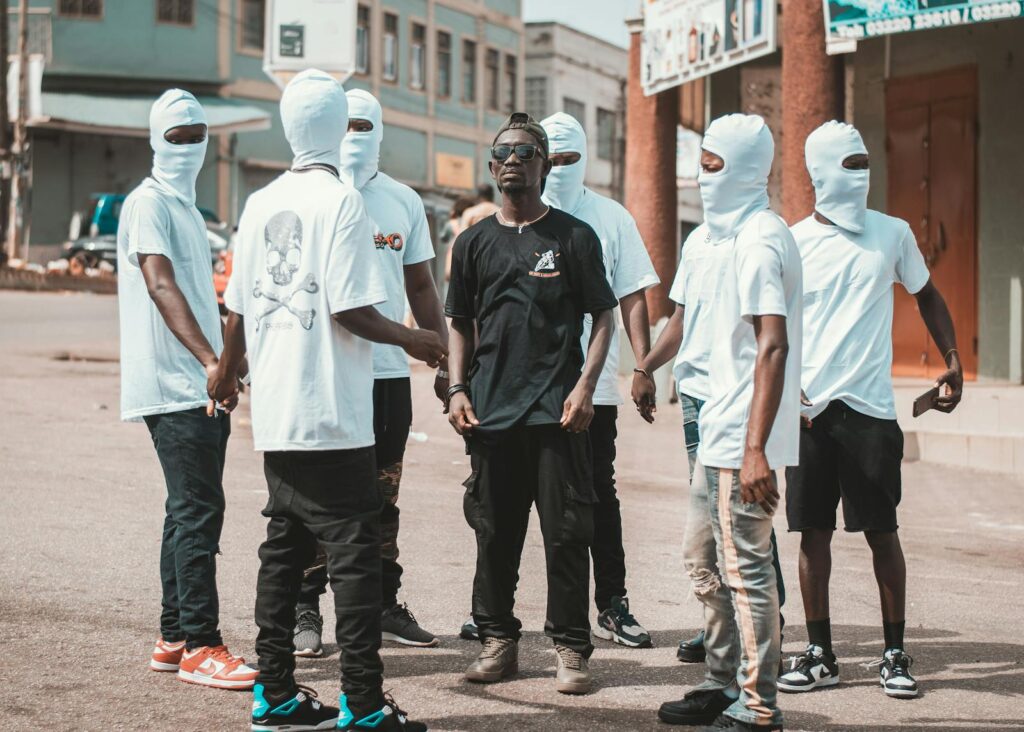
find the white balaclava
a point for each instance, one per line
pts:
(740, 189)
(360, 151)
(314, 112)
(564, 187)
(176, 167)
(841, 194)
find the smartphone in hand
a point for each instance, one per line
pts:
(926, 401)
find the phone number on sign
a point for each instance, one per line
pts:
(935, 19)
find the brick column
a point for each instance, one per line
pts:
(651, 174)
(812, 93)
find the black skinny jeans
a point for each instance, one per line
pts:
(606, 550)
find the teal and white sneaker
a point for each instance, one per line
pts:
(302, 712)
(388, 718)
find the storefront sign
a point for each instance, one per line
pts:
(857, 19)
(453, 171)
(687, 39)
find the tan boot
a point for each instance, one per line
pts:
(499, 659)
(573, 674)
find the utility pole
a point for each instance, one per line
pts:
(5, 122)
(18, 218)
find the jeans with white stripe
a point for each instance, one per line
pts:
(743, 535)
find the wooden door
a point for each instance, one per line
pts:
(931, 134)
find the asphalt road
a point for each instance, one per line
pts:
(81, 505)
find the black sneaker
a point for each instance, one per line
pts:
(812, 669)
(399, 625)
(728, 724)
(469, 631)
(302, 712)
(895, 674)
(692, 650)
(389, 718)
(307, 637)
(618, 624)
(700, 706)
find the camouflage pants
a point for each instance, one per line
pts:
(392, 418)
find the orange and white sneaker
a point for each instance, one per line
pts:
(215, 666)
(166, 656)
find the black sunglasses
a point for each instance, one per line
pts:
(501, 153)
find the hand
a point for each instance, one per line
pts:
(461, 415)
(804, 401)
(643, 393)
(221, 388)
(578, 410)
(757, 484)
(426, 346)
(441, 388)
(953, 380)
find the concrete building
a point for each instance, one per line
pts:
(574, 72)
(446, 71)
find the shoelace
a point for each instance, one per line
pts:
(494, 647)
(900, 662)
(311, 694)
(221, 653)
(402, 611)
(571, 658)
(309, 620)
(804, 662)
(390, 701)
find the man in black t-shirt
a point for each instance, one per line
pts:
(521, 282)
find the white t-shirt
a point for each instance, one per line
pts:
(848, 281)
(628, 269)
(158, 374)
(402, 238)
(702, 267)
(304, 251)
(763, 278)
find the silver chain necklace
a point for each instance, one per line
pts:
(504, 222)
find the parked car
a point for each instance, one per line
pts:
(98, 242)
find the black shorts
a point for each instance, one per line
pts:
(848, 455)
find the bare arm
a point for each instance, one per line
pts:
(939, 322)
(462, 345)
(426, 309)
(578, 410)
(756, 484)
(367, 322)
(158, 272)
(665, 348)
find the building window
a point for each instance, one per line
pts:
(605, 134)
(511, 83)
(469, 72)
(363, 39)
(418, 56)
(252, 24)
(493, 79)
(390, 61)
(537, 97)
(175, 11)
(575, 109)
(82, 8)
(444, 64)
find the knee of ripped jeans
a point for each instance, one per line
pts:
(704, 581)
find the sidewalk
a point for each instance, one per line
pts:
(81, 500)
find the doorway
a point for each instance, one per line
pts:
(931, 141)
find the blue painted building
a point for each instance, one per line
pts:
(446, 72)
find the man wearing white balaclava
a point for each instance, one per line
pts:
(170, 342)
(747, 429)
(629, 271)
(300, 302)
(404, 250)
(851, 445)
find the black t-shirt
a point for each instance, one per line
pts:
(528, 292)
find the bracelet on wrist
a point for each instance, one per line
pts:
(442, 373)
(455, 389)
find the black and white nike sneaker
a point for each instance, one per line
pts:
(895, 674)
(618, 624)
(812, 669)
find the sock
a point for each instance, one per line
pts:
(819, 632)
(893, 634)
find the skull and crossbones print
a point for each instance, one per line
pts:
(283, 239)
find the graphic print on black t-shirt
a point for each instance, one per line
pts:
(283, 238)
(528, 292)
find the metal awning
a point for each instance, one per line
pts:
(128, 116)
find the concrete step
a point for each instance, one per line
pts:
(985, 432)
